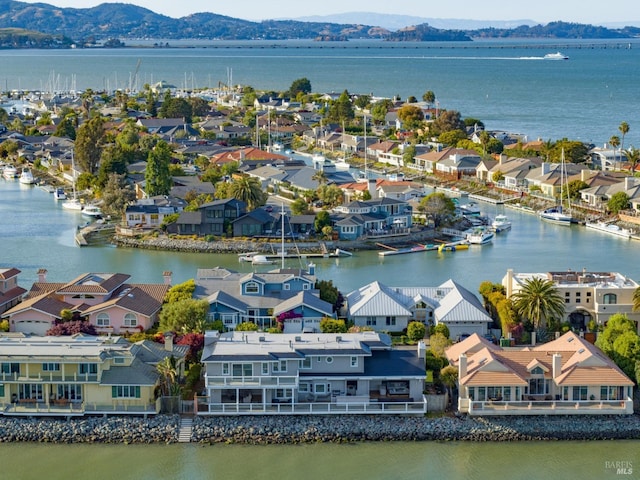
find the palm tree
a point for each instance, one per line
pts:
(633, 157)
(320, 177)
(169, 375)
(614, 141)
(538, 301)
(624, 129)
(248, 190)
(636, 300)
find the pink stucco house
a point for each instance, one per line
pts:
(107, 300)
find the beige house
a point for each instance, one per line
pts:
(568, 376)
(587, 295)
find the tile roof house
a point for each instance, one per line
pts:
(80, 375)
(107, 300)
(255, 373)
(567, 376)
(235, 298)
(10, 292)
(391, 309)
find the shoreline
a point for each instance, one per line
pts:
(292, 430)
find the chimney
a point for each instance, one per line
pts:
(546, 168)
(422, 349)
(557, 365)
(372, 188)
(42, 275)
(168, 341)
(311, 269)
(462, 367)
(167, 277)
(533, 339)
(629, 183)
(509, 283)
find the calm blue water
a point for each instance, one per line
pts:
(501, 83)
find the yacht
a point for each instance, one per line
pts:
(9, 172)
(59, 194)
(26, 177)
(501, 223)
(480, 236)
(72, 204)
(92, 211)
(556, 56)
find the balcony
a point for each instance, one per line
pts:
(66, 408)
(266, 381)
(48, 377)
(551, 407)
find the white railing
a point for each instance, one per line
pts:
(266, 381)
(366, 406)
(553, 407)
(48, 376)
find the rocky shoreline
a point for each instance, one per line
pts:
(269, 430)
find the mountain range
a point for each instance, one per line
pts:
(126, 21)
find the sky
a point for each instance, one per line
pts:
(543, 11)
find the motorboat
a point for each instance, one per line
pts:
(610, 228)
(92, 211)
(480, 236)
(247, 256)
(9, 172)
(556, 56)
(470, 208)
(59, 194)
(501, 223)
(72, 204)
(26, 177)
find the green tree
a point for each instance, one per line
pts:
(248, 190)
(157, 174)
(416, 331)
(539, 301)
(301, 85)
(323, 219)
(633, 158)
(438, 343)
(299, 206)
(619, 201)
(411, 116)
(362, 101)
(447, 121)
(114, 160)
(620, 342)
(449, 378)
(342, 110)
(330, 195)
(408, 155)
(181, 291)
(117, 193)
(150, 104)
(175, 107)
(437, 206)
(329, 293)
(88, 145)
(66, 129)
(380, 109)
(575, 187)
(614, 141)
(452, 137)
(331, 325)
(429, 97)
(185, 316)
(168, 376)
(442, 329)
(320, 176)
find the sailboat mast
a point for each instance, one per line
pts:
(282, 238)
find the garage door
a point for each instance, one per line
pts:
(34, 327)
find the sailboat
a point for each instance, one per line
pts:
(73, 203)
(556, 214)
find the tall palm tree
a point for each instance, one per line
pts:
(614, 141)
(539, 301)
(320, 176)
(624, 129)
(633, 157)
(248, 190)
(168, 373)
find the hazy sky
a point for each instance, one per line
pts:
(543, 11)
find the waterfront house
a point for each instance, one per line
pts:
(513, 171)
(282, 296)
(213, 218)
(567, 376)
(391, 309)
(376, 217)
(107, 300)
(256, 373)
(587, 295)
(80, 375)
(604, 185)
(10, 292)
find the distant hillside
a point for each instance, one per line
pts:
(124, 21)
(21, 38)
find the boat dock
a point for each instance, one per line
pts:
(401, 251)
(94, 234)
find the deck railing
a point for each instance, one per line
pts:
(549, 407)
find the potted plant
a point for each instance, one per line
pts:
(590, 335)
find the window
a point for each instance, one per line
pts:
(371, 321)
(580, 393)
(227, 318)
(90, 368)
(280, 366)
(265, 368)
(286, 286)
(305, 363)
(538, 386)
(537, 371)
(321, 388)
(10, 367)
(354, 361)
(242, 369)
(70, 391)
(284, 393)
(118, 360)
(610, 299)
(130, 320)
(391, 320)
(225, 369)
(50, 367)
(251, 287)
(306, 286)
(304, 387)
(609, 393)
(329, 359)
(125, 391)
(102, 320)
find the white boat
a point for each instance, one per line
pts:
(557, 214)
(247, 256)
(480, 236)
(501, 223)
(73, 203)
(556, 56)
(261, 260)
(26, 177)
(9, 172)
(92, 211)
(59, 194)
(610, 228)
(470, 208)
